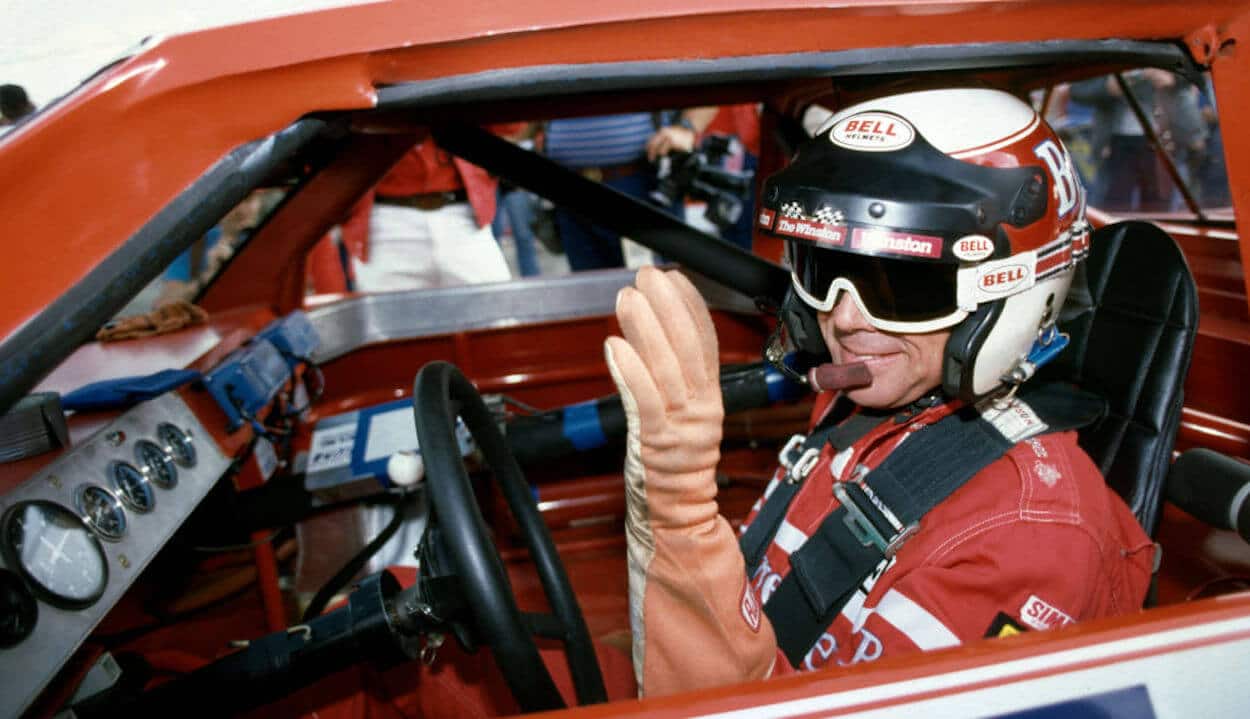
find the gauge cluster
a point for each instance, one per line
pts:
(75, 535)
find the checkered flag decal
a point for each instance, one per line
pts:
(829, 216)
(792, 210)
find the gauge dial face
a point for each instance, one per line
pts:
(178, 443)
(132, 486)
(156, 464)
(60, 557)
(102, 511)
(18, 610)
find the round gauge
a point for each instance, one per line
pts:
(156, 464)
(132, 486)
(56, 553)
(102, 511)
(177, 443)
(18, 610)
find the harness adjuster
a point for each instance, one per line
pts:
(797, 461)
(863, 528)
(790, 453)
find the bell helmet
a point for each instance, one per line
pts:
(937, 209)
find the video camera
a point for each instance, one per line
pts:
(702, 175)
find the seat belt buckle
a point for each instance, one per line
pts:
(797, 461)
(863, 528)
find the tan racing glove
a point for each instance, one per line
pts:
(696, 620)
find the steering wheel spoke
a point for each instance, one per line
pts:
(547, 626)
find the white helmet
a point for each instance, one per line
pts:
(936, 209)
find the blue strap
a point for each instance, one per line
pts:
(582, 426)
(126, 391)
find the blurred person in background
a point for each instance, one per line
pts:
(14, 104)
(429, 225)
(616, 150)
(741, 122)
(1129, 176)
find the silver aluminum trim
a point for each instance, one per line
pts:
(372, 319)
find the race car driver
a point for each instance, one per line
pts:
(932, 238)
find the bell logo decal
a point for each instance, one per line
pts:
(973, 248)
(873, 132)
(1002, 279)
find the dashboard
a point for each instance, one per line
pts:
(80, 531)
(76, 534)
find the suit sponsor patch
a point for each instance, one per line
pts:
(1016, 421)
(750, 607)
(1037, 613)
(1004, 626)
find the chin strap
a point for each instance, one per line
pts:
(1049, 343)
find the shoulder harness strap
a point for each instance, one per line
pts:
(882, 509)
(798, 457)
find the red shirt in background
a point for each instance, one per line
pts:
(425, 168)
(740, 120)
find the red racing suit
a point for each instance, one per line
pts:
(1035, 540)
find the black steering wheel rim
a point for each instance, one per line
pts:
(476, 560)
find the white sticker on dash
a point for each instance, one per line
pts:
(873, 132)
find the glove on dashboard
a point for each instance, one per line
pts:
(169, 317)
(696, 621)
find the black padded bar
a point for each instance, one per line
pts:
(35, 349)
(558, 80)
(647, 225)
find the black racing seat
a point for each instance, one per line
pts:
(1132, 315)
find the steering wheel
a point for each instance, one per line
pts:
(440, 393)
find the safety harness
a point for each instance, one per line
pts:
(880, 509)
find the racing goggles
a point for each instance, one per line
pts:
(894, 295)
(912, 296)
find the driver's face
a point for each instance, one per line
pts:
(903, 366)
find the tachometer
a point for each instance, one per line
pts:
(102, 511)
(156, 463)
(56, 553)
(132, 486)
(178, 443)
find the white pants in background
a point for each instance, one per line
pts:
(411, 248)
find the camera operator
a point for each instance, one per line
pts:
(615, 150)
(720, 172)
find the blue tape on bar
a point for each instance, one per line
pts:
(781, 387)
(582, 427)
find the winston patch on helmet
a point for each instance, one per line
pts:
(822, 232)
(896, 243)
(872, 131)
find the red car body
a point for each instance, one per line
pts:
(91, 179)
